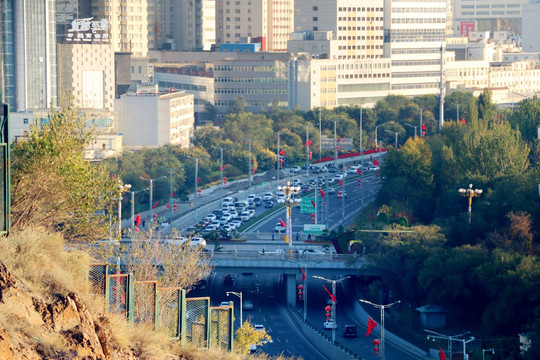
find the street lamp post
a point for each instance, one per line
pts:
(305, 267)
(290, 200)
(435, 335)
(132, 201)
(307, 151)
(196, 182)
(221, 168)
(470, 193)
(334, 282)
(361, 159)
(320, 136)
(412, 127)
(152, 188)
(250, 167)
(484, 351)
(396, 140)
(278, 160)
(238, 294)
(376, 139)
(382, 307)
(121, 188)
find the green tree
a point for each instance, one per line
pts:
(237, 106)
(486, 109)
(53, 185)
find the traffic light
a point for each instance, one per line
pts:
(300, 292)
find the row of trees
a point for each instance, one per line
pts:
(485, 273)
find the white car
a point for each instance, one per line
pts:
(236, 223)
(268, 197)
(211, 217)
(295, 169)
(279, 228)
(373, 168)
(246, 216)
(329, 325)
(193, 242)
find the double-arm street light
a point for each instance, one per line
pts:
(305, 289)
(238, 294)
(290, 201)
(435, 335)
(334, 282)
(470, 193)
(415, 127)
(382, 307)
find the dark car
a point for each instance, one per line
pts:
(257, 201)
(349, 331)
(228, 281)
(268, 204)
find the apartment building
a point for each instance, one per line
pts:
(272, 21)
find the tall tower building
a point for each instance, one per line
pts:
(413, 35)
(271, 20)
(29, 54)
(195, 25)
(128, 21)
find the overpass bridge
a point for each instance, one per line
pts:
(289, 265)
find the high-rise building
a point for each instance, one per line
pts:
(414, 33)
(531, 14)
(128, 22)
(195, 25)
(29, 54)
(272, 21)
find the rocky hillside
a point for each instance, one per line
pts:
(61, 328)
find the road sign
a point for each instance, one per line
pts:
(315, 229)
(306, 206)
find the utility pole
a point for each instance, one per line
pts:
(334, 304)
(335, 145)
(307, 150)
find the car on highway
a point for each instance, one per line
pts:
(341, 194)
(268, 196)
(295, 169)
(329, 324)
(271, 252)
(373, 168)
(247, 305)
(246, 216)
(331, 190)
(350, 331)
(228, 280)
(279, 228)
(211, 217)
(207, 230)
(224, 303)
(236, 223)
(268, 204)
(193, 242)
(257, 201)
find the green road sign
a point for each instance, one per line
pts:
(314, 229)
(306, 206)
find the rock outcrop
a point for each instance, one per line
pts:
(57, 328)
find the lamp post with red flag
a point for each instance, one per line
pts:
(196, 194)
(333, 297)
(132, 201)
(304, 269)
(290, 200)
(121, 189)
(382, 307)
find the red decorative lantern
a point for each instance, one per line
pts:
(300, 291)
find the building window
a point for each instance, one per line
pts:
(315, 8)
(25, 121)
(315, 18)
(315, 28)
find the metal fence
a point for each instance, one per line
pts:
(188, 320)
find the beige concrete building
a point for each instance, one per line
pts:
(149, 118)
(272, 20)
(128, 24)
(87, 72)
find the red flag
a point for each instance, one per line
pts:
(138, 220)
(376, 162)
(442, 356)
(339, 139)
(303, 274)
(359, 171)
(424, 127)
(153, 207)
(198, 179)
(463, 121)
(221, 168)
(329, 293)
(313, 203)
(172, 195)
(282, 153)
(322, 193)
(308, 143)
(340, 182)
(370, 326)
(282, 223)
